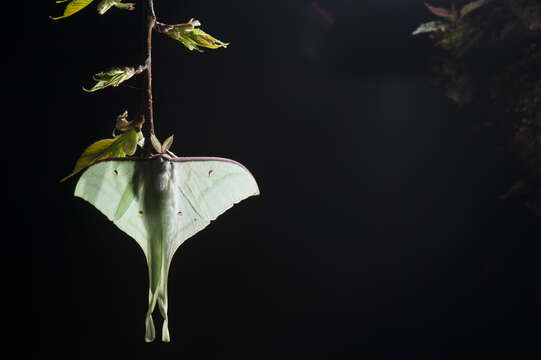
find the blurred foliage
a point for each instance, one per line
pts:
(492, 50)
(454, 32)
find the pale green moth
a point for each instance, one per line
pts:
(162, 201)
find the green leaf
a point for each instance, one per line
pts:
(191, 36)
(128, 141)
(112, 77)
(73, 7)
(105, 5)
(118, 146)
(450, 14)
(99, 150)
(431, 27)
(468, 8)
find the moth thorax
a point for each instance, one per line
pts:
(161, 172)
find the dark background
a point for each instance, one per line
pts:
(378, 232)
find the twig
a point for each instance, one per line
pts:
(150, 21)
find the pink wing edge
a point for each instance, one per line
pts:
(171, 159)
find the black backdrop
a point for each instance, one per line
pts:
(378, 232)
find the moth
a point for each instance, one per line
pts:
(161, 201)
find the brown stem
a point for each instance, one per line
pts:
(150, 21)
